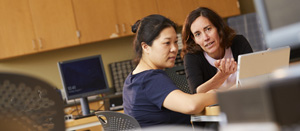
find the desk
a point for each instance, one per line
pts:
(82, 123)
(91, 123)
(210, 114)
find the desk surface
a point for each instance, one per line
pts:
(211, 111)
(210, 114)
(83, 123)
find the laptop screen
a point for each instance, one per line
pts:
(260, 64)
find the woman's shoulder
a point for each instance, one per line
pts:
(153, 75)
(240, 45)
(194, 58)
(148, 73)
(193, 55)
(240, 41)
(238, 38)
(156, 72)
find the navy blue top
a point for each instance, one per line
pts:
(143, 97)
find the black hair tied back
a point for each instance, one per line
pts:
(135, 27)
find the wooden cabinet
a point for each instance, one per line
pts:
(96, 19)
(129, 11)
(30, 26)
(176, 10)
(16, 28)
(224, 8)
(54, 24)
(104, 19)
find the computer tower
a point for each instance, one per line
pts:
(113, 103)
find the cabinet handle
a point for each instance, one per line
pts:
(124, 29)
(33, 44)
(238, 4)
(78, 33)
(117, 28)
(40, 43)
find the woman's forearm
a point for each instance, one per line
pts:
(214, 83)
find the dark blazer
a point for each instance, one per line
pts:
(197, 68)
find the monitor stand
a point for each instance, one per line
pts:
(85, 106)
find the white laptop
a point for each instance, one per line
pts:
(256, 67)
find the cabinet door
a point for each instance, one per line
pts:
(16, 29)
(224, 8)
(176, 10)
(96, 20)
(129, 11)
(54, 23)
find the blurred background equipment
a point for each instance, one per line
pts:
(249, 26)
(273, 101)
(28, 103)
(83, 77)
(280, 22)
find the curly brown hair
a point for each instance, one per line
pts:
(226, 34)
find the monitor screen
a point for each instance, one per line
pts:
(83, 77)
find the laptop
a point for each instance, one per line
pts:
(256, 67)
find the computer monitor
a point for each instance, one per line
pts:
(280, 22)
(83, 77)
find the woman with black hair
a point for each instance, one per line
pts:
(149, 95)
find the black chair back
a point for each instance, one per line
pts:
(28, 103)
(116, 121)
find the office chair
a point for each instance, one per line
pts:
(177, 75)
(116, 121)
(28, 103)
